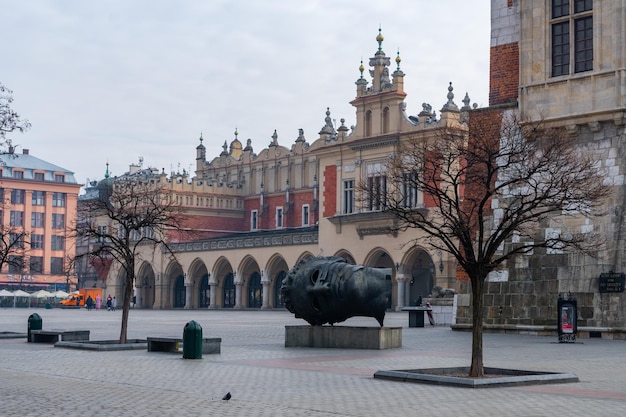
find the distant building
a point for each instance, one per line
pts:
(39, 204)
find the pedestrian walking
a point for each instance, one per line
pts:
(109, 303)
(113, 304)
(98, 301)
(89, 303)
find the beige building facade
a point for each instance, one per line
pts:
(264, 211)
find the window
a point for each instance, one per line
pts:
(386, 120)
(56, 265)
(147, 232)
(254, 220)
(305, 215)
(36, 241)
(16, 240)
(409, 190)
(18, 196)
(57, 242)
(368, 123)
(17, 218)
(279, 217)
(376, 198)
(18, 175)
(39, 176)
(58, 221)
(59, 178)
(102, 233)
(135, 235)
(348, 197)
(36, 264)
(39, 198)
(37, 219)
(16, 264)
(572, 36)
(58, 199)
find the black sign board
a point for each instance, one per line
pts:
(612, 282)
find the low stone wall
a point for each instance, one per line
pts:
(443, 310)
(343, 337)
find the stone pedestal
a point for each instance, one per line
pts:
(343, 337)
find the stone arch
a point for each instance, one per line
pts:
(342, 253)
(418, 265)
(380, 258)
(145, 285)
(117, 289)
(250, 277)
(223, 277)
(198, 275)
(304, 255)
(276, 270)
(175, 286)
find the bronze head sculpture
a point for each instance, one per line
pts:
(329, 290)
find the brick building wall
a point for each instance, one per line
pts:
(330, 190)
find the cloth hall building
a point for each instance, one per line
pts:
(563, 61)
(262, 211)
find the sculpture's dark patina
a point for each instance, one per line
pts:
(329, 290)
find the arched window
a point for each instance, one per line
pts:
(278, 296)
(368, 123)
(229, 291)
(255, 291)
(179, 292)
(386, 120)
(204, 297)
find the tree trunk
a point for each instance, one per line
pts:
(128, 288)
(477, 369)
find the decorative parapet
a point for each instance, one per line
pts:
(286, 237)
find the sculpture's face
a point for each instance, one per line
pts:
(329, 290)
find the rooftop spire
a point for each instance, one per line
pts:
(380, 38)
(106, 174)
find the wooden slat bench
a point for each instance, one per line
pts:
(53, 336)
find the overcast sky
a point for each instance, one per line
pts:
(115, 80)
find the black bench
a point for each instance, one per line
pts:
(416, 315)
(53, 336)
(164, 344)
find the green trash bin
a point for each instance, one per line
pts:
(34, 323)
(192, 341)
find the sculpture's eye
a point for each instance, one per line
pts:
(314, 276)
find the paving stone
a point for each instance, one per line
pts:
(267, 379)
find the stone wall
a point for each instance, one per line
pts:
(526, 293)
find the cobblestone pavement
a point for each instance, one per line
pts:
(267, 379)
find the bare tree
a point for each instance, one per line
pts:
(488, 195)
(9, 120)
(128, 219)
